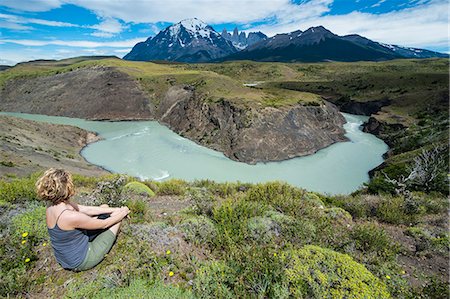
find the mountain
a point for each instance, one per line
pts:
(240, 40)
(319, 44)
(190, 40)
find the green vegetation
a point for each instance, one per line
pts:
(232, 240)
(139, 189)
(322, 273)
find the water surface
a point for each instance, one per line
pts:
(148, 150)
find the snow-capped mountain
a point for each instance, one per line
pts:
(319, 44)
(241, 40)
(190, 40)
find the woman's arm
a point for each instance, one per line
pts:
(92, 210)
(83, 221)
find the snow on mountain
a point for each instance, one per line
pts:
(190, 40)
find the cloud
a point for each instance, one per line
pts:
(15, 21)
(14, 26)
(31, 5)
(154, 11)
(75, 43)
(420, 26)
(109, 27)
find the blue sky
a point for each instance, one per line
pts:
(56, 29)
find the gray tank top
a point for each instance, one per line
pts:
(70, 246)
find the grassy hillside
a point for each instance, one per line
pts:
(155, 79)
(210, 240)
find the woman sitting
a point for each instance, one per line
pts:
(69, 224)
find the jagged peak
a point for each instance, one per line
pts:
(319, 29)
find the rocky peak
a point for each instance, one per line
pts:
(240, 40)
(190, 40)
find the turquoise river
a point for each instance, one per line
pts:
(148, 150)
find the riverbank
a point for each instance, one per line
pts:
(27, 146)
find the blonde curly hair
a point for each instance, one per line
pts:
(55, 186)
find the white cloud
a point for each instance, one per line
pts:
(420, 26)
(31, 5)
(75, 43)
(109, 27)
(127, 50)
(15, 21)
(14, 26)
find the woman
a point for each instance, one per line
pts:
(67, 222)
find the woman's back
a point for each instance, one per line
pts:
(70, 246)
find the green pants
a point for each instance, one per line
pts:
(97, 250)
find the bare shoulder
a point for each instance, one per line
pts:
(66, 218)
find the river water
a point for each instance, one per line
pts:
(148, 150)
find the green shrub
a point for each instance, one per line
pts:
(139, 288)
(338, 216)
(315, 272)
(262, 229)
(282, 197)
(109, 192)
(371, 238)
(231, 218)
(32, 223)
(199, 230)
(138, 188)
(394, 210)
(203, 200)
(172, 187)
(90, 181)
(220, 189)
(214, 280)
(19, 190)
(19, 249)
(314, 199)
(140, 210)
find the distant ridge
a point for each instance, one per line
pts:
(319, 44)
(192, 40)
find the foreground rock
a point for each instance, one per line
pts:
(27, 146)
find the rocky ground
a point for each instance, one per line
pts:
(27, 146)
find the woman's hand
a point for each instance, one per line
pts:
(121, 212)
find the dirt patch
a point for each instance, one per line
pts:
(28, 146)
(101, 93)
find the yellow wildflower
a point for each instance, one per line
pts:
(27, 260)
(44, 244)
(24, 241)
(274, 254)
(171, 273)
(403, 272)
(168, 252)
(388, 277)
(24, 235)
